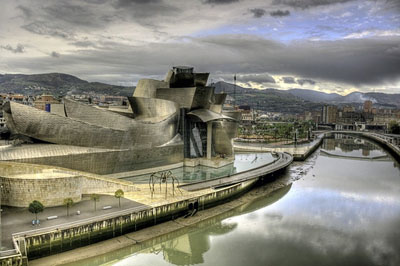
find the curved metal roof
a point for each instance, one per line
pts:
(206, 115)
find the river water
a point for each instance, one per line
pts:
(343, 209)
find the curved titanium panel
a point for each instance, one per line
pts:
(182, 96)
(96, 116)
(152, 109)
(206, 115)
(200, 79)
(148, 87)
(69, 131)
(219, 98)
(223, 134)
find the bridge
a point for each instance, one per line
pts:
(389, 141)
(359, 158)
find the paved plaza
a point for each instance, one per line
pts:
(15, 220)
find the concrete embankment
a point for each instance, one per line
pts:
(299, 152)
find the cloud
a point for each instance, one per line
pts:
(258, 78)
(304, 81)
(288, 80)
(308, 3)
(122, 41)
(258, 12)
(354, 62)
(72, 14)
(27, 12)
(280, 13)
(219, 2)
(19, 49)
(372, 33)
(49, 29)
(84, 44)
(55, 54)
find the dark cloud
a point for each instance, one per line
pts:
(97, 2)
(72, 14)
(219, 2)
(125, 3)
(304, 81)
(19, 49)
(27, 12)
(84, 44)
(145, 12)
(258, 78)
(289, 80)
(47, 28)
(308, 3)
(351, 61)
(258, 12)
(280, 13)
(55, 54)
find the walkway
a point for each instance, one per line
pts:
(15, 220)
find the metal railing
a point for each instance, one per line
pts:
(81, 222)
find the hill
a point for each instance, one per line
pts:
(379, 99)
(314, 96)
(269, 100)
(300, 100)
(57, 84)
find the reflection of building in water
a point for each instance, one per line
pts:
(329, 144)
(188, 249)
(365, 152)
(348, 143)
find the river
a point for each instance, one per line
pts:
(343, 209)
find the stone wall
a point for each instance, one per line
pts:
(51, 188)
(19, 192)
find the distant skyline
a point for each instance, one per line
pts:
(326, 45)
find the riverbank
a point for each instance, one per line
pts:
(299, 152)
(146, 234)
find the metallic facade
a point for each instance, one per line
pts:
(169, 121)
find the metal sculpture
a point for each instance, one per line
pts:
(163, 177)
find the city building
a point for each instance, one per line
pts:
(329, 114)
(44, 102)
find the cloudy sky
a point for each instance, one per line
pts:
(326, 45)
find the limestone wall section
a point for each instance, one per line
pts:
(51, 191)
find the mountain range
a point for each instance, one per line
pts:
(310, 97)
(57, 84)
(272, 100)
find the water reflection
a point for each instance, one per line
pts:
(341, 212)
(341, 144)
(242, 162)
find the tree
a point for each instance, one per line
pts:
(95, 199)
(36, 207)
(68, 202)
(394, 127)
(119, 194)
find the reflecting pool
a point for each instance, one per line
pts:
(340, 212)
(242, 162)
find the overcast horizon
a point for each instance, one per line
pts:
(334, 46)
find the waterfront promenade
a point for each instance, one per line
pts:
(140, 207)
(299, 152)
